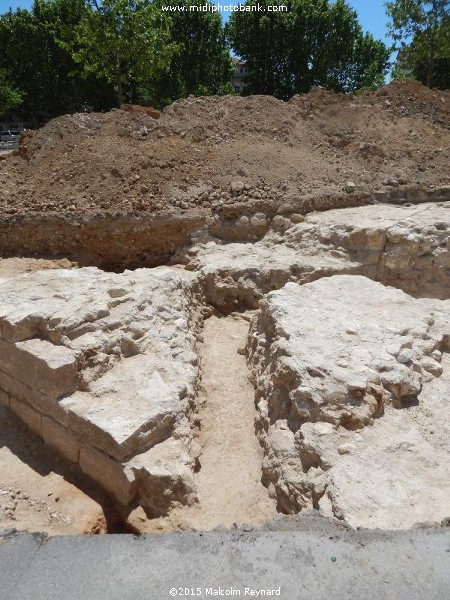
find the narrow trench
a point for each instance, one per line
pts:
(229, 481)
(229, 484)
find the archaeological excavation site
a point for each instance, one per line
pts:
(228, 314)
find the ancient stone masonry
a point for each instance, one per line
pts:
(351, 376)
(407, 247)
(104, 368)
(333, 361)
(404, 246)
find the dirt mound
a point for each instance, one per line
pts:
(318, 98)
(148, 110)
(412, 99)
(126, 161)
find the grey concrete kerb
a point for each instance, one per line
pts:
(312, 565)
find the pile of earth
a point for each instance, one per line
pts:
(318, 145)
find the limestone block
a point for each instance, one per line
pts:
(41, 365)
(61, 439)
(41, 402)
(117, 479)
(28, 415)
(129, 409)
(165, 477)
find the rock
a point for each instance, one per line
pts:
(236, 187)
(258, 220)
(281, 222)
(326, 366)
(350, 187)
(166, 475)
(346, 449)
(243, 171)
(297, 218)
(389, 181)
(398, 246)
(431, 365)
(240, 274)
(114, 374)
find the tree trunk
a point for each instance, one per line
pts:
(430, 72)
(119, 90)
(432, 49)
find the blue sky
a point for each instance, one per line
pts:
(371, 13)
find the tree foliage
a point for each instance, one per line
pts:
(421, 30)
(313, 43)
(123, 41)
(9, 95)
(69, 55)
(41, 67)
(440, 76)
(200, 63)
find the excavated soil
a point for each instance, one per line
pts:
(124, 189)
(237, 192)
(126, 161)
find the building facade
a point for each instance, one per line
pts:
(238, 81)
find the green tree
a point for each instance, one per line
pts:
(312, 43)
(364, 68)
(441, 73)
(200, 63)
(9, 95)
(37, 61)
(421, 31)
(122, 41)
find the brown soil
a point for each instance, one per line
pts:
(11, 267)
(38, 492)
(127, 161)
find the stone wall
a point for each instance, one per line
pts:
(104, 368)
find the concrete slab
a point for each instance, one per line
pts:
(409, 565)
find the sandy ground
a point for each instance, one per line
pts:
(229, 481)
(11, 267)
(38, 492)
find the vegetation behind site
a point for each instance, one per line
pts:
(64, 56)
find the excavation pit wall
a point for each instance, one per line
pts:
(401, 246)
(408, 248)
(119, 241)
(352, 381)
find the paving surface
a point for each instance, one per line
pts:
(300, 564)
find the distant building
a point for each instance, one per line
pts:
(402, 66)
(240, 71)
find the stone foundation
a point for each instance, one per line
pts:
(104, 368)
